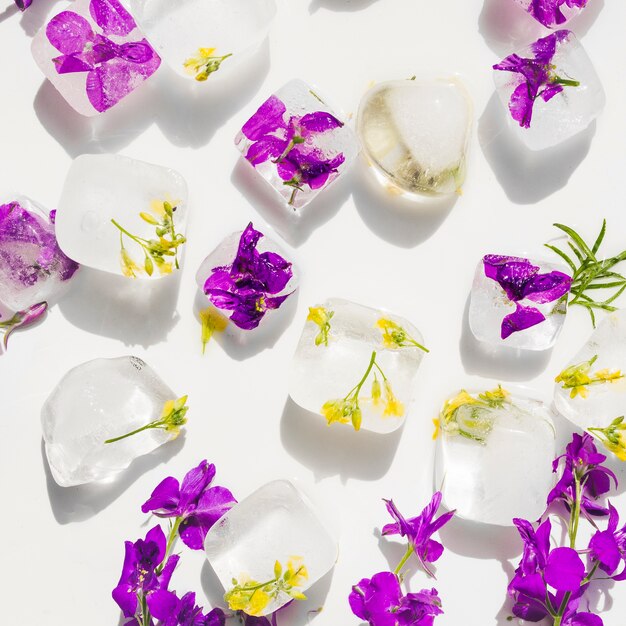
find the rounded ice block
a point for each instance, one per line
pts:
(33, 268)
(496, 461)
(416, 134)
(324, 371)
(275, 523)
(182, 29)
(104, 187)
(603, 361)
(96, 401)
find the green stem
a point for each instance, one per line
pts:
(405, 558)
(145, 614)
(566, 82)
(591, 573)
(136, 239)
(155, 424)
(292, 198)
(419, 345)
(575, 514)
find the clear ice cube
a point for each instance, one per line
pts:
(416, 133)
(324, 371)
(297, 143)
(568, 112)
(496, 461)
(275, 523)
(94, 55)
(96, 401)
(185, 29)
(33, 268)
(490, 305)
(104, 187)
(598, 403)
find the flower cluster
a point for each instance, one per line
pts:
(579, 377)
(613, 437)
(204, 63)
(321, 317)
(379, 600)
(395, 336)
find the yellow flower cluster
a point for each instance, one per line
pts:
(579, 377)
(204, 63)
(613, 437)
(394, 336)
(320, 317)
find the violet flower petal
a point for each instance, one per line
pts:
(524, 317)
(112, 17)
(319, 122)
(267, 119)
(165, 498)
(606, 550)
(69, 32)
(565, 570)
(543, 288)
(162, 603)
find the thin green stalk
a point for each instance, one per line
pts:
(134, 432)
(403, 561)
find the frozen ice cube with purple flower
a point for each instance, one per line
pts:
(550, 89)
(496, 454)
(123, 216)
(518, 302)
(98, 401)
(297, 143)
(94, 54)
(198, 37)
(552, 13)
(274, 536)
(356, 365)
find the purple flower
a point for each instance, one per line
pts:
(249, 286)
(113, 69)
(173, 611)
(22, 5)
(141, 573)
(521, 280)
(548, 12)
(380, 602)
(21, 319)
(419, 530)
(536, 77)
(608, 547)
(195, 503)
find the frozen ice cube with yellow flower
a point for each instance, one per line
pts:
(496, 452)
(356, 365)
(269, 549)
(123, 216)
(105, 413)
(196, 38)
(590, 391)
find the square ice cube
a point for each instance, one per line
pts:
(518, 302)
(33, 268)
(94, 54)
(246, 279)
(356, 365)
(96, 401)
(496, 456)
(194, 36)
(277, 523)
(555, 116)
(106, 188)
(591, 391)
(297, 144)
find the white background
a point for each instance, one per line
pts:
(63, 548)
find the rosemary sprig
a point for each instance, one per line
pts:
(590, 273)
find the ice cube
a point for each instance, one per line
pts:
(94, 54)
(96, 401)
(592, 389)
(246, 278)
(105, 187)
(518, 302)
(204, 30)
(277, 523)
(551, 14)
(564, 114)
(297, 144)
(496, 456)
(32, 267)
(356, 365)
(416, 133)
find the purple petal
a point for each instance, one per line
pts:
(531, 586)
(583, 619)
(523, 318)
(28, 317)
(71, 64)
(550, 91)
(22, 5)
(162, 604)
(267, 119)
(168, 571)
(157, 536)
(112, 17)
(265, 148)
(126, 598)
(564, 570)
(543, 288)
(69, 32)
(195, 482)
(432, 551)
(521, 105)
(319, 122)
(164, 499)
(605, 549)
(357, 599)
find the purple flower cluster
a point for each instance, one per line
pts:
(549, 12)
(113, 69)
(521, 280)
(250, 286)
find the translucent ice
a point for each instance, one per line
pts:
(96, 401)
(356, 365)
(32, 267)
(207, 29)
(297, 144)
(275, 524)
(94, 55)
(592, 389)
(566, 113)
(416, 133)
(518, 311)
(496, 456)
(105, 187)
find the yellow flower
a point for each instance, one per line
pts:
(607, 376)
(297, 573)
(376, 392)
(495, 398)
(393, 406)
(203, 63)
(130, 269)
(212, 322)
(613, 437)
(618, 449)
(320, 317)
(244, 598)
(452, 405)
(173, 415)
(343, 411)
(578, 377)
(394, 336)
(437, 423)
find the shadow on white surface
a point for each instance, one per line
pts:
(335, 450)
(528, 176)
(136, 312)
(9, 12)
(293, 228)
(340, 5)
(80, 503)
(394, 218)
(500, 363)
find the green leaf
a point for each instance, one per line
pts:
(562, 255)
(577, 239)
(600, 239)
